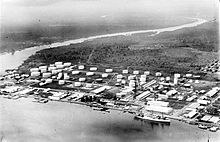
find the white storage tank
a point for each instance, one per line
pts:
(60, 66)
(67, 64)
(93, 69)
(187, 85)
(77, 84)
(108, 70)
(99, 80)
(54, 71)
(158, 74)
(131, 77)
(176, 75)
(52, 65)
(34, 70)
(89, 73)
(82, 79)
(123, 81)
(147, 72)
(81, 67)
(188, 75)
(58, 63)
(125, 71)
(42, 67)
(51, 68)
(167, 78)
(53, 77)
(46, 75)
(162, 79)
(61, 82)
(136, 72)
(104, 75)
(75, 72)
(35, 74)
(119, 76)
(43, 70)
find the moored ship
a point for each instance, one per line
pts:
(158, 119)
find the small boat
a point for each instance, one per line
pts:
(15, 97)
(201, 126)
(100, 109)
(213, 129)
(158, 119)
(43, 101)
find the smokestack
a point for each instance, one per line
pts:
(175, 80)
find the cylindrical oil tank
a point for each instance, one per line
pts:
(104, 75)
(43, 70)
(58, 63)
(67, 64)
(147, 72)
(46, 75)
(119, 76)
(51, 68)
(89, 73)
(75, 72)
(125, 71)
(81, 67)
(60, 66)
(42, 67)
(82, 79)
(34, 70)
(158, 74)
(77, 84)
(108, 70)
(35, 74)
(93, 69)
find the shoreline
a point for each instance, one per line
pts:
(190, 20)
(15, 60)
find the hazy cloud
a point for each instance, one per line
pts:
(30, 11)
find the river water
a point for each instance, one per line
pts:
(10, 61)
(25, 121)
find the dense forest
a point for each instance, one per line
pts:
(178, 51)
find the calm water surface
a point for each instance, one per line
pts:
(24, 121)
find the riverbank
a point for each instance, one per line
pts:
(16, 59)
(21, 37)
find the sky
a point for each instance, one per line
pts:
(24, 12)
